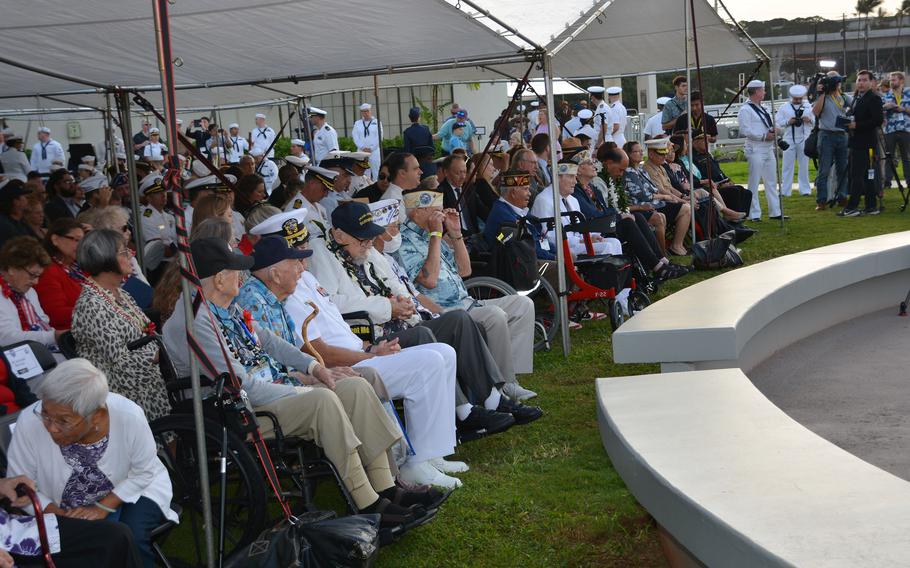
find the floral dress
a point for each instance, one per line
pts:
(103, 324)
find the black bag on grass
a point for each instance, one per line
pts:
(514, 257)
(715, 253)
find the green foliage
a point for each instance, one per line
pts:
(429, 115)
(346, 143)
(282, 147)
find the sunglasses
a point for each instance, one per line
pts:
(383, 177)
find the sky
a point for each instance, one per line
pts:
(770, 9)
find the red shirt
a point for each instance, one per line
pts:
(7, 397)
(58, 294)
(245, 246)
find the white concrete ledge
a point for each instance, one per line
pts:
(739, 483)
(739, 318)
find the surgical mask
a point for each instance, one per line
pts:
(393, 245)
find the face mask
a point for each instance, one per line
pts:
(392, 246)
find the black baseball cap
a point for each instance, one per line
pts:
(212, 255)
(274, 249)
(356, 219)
(12, 188)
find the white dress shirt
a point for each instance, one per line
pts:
(52, 151)
(325, 140)
(262, 139)
(653, 127)
(752, 127)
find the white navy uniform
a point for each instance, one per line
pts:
(317, 219)
(154, 151)
(423, 375)
(325, 140)
(795, 135)
(43, 153)
(359, 182)
(653, 127)
(754, 124)
(620, 116)
(269, 172)
(15, 164)
(239, 147)
(262, 139)
(158, 225)
(368, 134)
(543, 208)
(571, 126)
(602, 110)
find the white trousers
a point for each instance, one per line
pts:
(508, 325)
(375, 163)
(792, 157)
(762, 168)
(424, 376)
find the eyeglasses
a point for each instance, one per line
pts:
(76, 240)
(124, 252)
(32, 275)
(383, 177)
(60, 424)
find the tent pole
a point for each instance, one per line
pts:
(689, 122)
(378, 118)
(777, 166)
(126, 127)
(163, 49)
(113, 165)
(562, 308)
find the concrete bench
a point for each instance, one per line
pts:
(737, 482)
(741, 317)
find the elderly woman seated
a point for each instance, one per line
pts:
(106, 319)
(22, 261)
(92, 454)
(342, 414)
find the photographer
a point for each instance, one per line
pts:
(796, 121)
(828, 108)
(867, 117)
(757, 127)
(199, 131)
(897, 125)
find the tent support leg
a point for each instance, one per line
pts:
(126, 128)
(562, 310)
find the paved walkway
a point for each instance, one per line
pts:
(851, 385)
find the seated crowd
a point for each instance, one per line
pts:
(282, 263)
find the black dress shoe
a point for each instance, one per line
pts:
(777, 217)
(482, 422)
(523, 414)
(391, 515)
(429, 499)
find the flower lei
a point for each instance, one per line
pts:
(28, 317)
(616, 191)
(124, 309)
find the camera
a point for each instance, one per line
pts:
(829, 84)
(798, 113)
(783, 144)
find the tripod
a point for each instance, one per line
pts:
(905, 195)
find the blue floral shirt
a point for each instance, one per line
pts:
(897, 121)
(266, 309)
(415, 244)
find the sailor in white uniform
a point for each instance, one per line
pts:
(154, 150)
(796, 120)
(267, 169)
(618, 114)
(325, 139)
(159, 228)
(262, 136)
(653, 127)
(367, 134)
(318, 182)
(603, 117)
(757, 126)
(239, 144)
(46, 151)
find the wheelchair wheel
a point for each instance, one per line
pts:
(245, 514)
(546, 324)
(617, 316)
(638, 301)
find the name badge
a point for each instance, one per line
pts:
(871, 174)
(261, 372)
(544, 244)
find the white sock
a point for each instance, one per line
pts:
(463, 411)
(492, 401)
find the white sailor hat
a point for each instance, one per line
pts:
(260, 115)
(658, 144)
(200, 169)
(85, 168)
(535, 103)
(154, 131)
(88, 159)
(585, 113)
(614, 90)
(755, 84)
(596, 90)
(298, 142)
(45, 130)
(179, 121)
(233, 125)
(663, 100)
(151, 184)
(299, 163)
(288, 224)
(313, 110)
(366, 106)
(385, 211)
(586, 130)
(7, 132)
(798, 91)
(56, 165)
(93, 183)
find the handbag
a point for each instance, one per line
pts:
(715, 253)
(810, 146)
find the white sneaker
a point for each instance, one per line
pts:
(516, 392)
(423, 473)
(446, 466)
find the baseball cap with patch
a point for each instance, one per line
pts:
(515, 178)
(356, 219)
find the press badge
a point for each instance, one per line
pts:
(871, 174)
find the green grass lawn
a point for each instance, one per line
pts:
(545, 494)
(739, 173)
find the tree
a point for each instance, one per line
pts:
(863, 9)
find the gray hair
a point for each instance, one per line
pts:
(217, 227)
(258, 214)
(97, 252)
(110, 217)
(75, 383)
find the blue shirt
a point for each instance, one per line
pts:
(415, 245)
(415, 136)
(266, 309)
(504, 212)
(897, 121)
(445, 132)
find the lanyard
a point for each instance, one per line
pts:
(366, 127)
(262, 133)
(44, 150)
(762, 114)
(838, 104)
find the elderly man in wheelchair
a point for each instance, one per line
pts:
(333, 407)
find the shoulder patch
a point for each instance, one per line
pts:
(327, 127)
(298, 203)
(147, 213)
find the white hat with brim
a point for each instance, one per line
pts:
(614, 90)
(585, 113)
(586, 130)
(95, 182)
(663, 100)
(260, 115)
(366, 106)
(298, 162)
(298, 142)
(316, 111)
(596, 90)
(755, 84)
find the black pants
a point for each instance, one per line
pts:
(641, 240)
(90, 544)
(860, 184)
(736, 197)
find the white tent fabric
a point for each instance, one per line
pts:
(331, 49)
